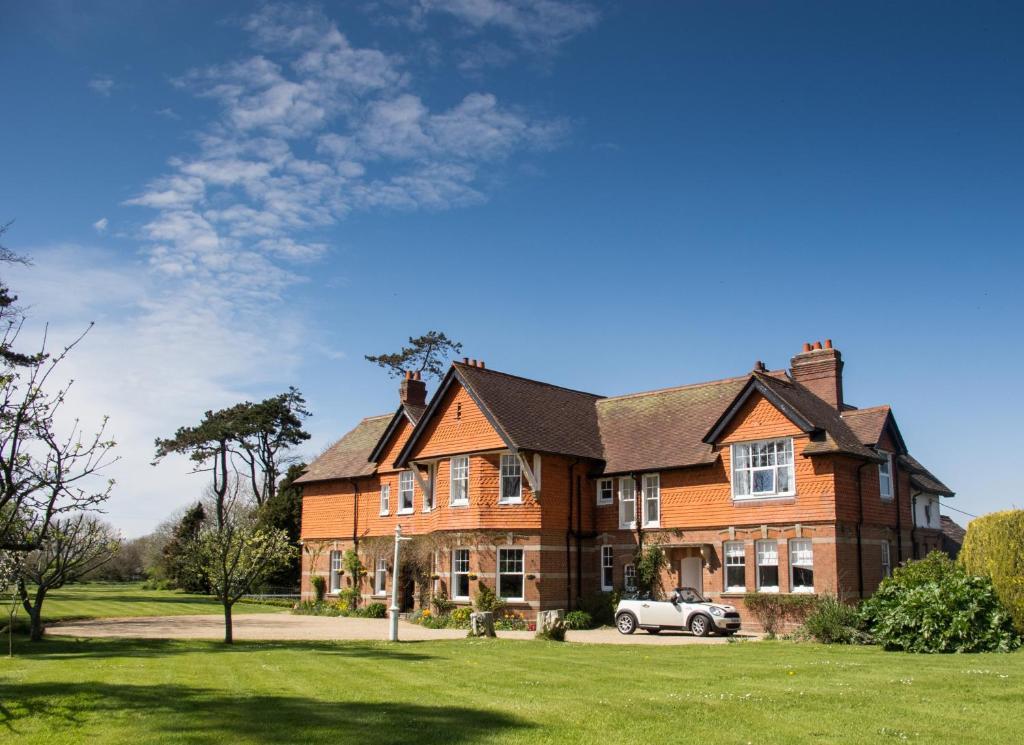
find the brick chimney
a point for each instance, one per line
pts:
(412, 391)
(819, 368)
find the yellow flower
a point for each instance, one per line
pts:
(426, 612)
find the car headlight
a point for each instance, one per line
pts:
(716, 611)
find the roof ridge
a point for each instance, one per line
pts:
(528, 380)
(672, 389)
(866, 409)
(376, 416)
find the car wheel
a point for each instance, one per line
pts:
(625, 623)
(700, 625)
(653, 631)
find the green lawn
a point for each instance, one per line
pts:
(483, 691)
(116, 600)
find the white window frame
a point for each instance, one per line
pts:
(385, 499)
(796, 547)
(460, 462)
(607, 568)
(521, 573)
(731, 551)
(751, 470)
(601, 484)
(651, 494)
(380, 577)
(428, 495)
(510, 468)
(334, 564)
(886, 560)
(630, 523)
(629, 578)
(456, 573)
(406, 485)
(885, 491)
(764, 560)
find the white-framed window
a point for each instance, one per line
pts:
(380, 577)
(607, 568)
(605, 491)
(763, 469)
(335, 578)
(627, 502)
(652, 500)
(801, 565)
(511, 480)
(385, 499)
(510, 573)
(406, 486)
(735, 566)
(458, 490)
(629, 578)
(428, 495)
(767, 566)
(460, 574)
(885, 476)
(886, 561)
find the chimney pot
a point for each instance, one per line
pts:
(465, 360)
(807, 347)
(828, 344)
(482, 365)
(817, 345)
(472, 363)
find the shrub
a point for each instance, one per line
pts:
(486, 600)
(459, 618)
(934, 605)
(600, 606)
(375, 610)
(833, 622)
(318, 608)
(994, 548)
(442, 605)
(319, 587)
(771, 609)
(510, 621)
(157, 584)
(649, 562)
(578, 619)
(349, 598)
(553, 633)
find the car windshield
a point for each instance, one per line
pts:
(687, 595)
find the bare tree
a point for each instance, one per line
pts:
(74, 546)
(43, 473)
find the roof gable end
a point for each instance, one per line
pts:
(755, 385)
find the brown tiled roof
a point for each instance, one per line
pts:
(836, 435)
(534, 415)
(347, 458)
(660, 429)
(413, 411)
(923, 479)
(867, 424)
(952, 536)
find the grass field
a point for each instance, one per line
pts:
(113, 600)
(502, 691)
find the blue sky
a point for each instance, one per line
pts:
(613, 197)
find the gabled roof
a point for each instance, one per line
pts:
(407, 412)
(829, 433)
(662, 429)
(348, 457)
(526, 414)
(869, 424)
(923, 479)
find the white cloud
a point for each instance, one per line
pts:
(102, 85)
(100, 226)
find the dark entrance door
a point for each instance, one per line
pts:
(406, 592)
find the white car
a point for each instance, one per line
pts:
(685, 610)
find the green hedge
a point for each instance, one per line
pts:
(994, 548)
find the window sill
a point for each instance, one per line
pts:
(605, 504)
(786, 498)
(457, 505)
(502, 503)
(629, 526)
(802, 591)
(384, 514)
(406, 512)
(652, 525)
(768, 590)
(735, 591)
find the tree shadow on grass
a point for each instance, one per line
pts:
(108, 648)
(201, 715)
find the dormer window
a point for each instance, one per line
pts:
(885, 476)
(763, 469)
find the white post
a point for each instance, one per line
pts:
(393, 635)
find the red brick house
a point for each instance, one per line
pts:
(765, 482)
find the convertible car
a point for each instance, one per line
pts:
(686, 609)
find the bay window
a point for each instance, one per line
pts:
(767, 566)
(762, 469)
(458, 491)
(627, 503)
(511, 480)
(510, 573)
(460, 573)
(801, 565)
(735, 566)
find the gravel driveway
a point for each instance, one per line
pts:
(286, 627)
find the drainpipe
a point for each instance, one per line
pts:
(355, 514)
(899, 511)
(913, 524)
(568, 540)
(579, 543)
